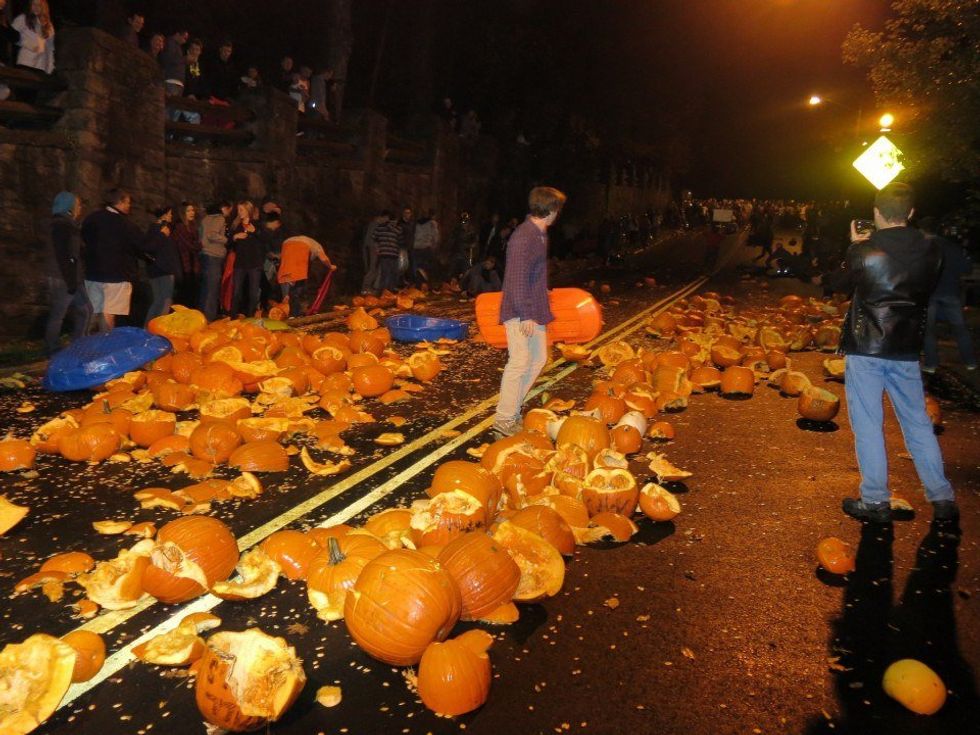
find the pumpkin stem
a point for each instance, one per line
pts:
(336, 555)
(105, 406)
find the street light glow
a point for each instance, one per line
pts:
(814, 100)
(886, 120)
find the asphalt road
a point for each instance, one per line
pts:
(724, 623)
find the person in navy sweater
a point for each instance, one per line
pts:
(524, 309)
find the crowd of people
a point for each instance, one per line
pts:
(187, 67)
(232, 259)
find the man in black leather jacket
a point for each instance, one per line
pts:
(894, 271)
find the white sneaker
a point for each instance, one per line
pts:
(506, 428)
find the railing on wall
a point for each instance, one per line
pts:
(213, 123)
(39, 88)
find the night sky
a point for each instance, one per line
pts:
(717, 87)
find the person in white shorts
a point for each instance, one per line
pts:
(112, 244)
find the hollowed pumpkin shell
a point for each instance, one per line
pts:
(610, 490)
(192, 554)
(542, 567)
(657, 503)
(34, 676)
(247, 680)
(454, 677)
(817, 404)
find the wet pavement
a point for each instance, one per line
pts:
(717, 622)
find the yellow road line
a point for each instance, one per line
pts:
(112, 619)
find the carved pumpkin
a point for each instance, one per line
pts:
(191, 554)
(610, 490)
(470, 478)
(817, 404)
(260, 456)
(485, 573)
(246, 680)
(454, 677)
(402, 601)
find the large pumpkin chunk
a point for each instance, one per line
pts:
(34, 676)
(542, 567)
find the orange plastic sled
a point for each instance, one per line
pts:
(578, 317)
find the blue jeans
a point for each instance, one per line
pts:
(60, 302)
(526, 357)
(210, 296)
(947, 309)
(162, 288)
(388, 274)
(296, 291)
(423, 262)
(866, 378)
(247, 288)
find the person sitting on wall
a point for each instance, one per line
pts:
(195, 86)
(36, 37)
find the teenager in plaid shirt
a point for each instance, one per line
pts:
(524, 309)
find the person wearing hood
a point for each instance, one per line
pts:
(66, 288)
(894, 272)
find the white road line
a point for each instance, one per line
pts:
(110, 620)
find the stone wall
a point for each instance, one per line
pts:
(112, 134)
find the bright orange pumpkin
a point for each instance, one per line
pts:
(16, 454)
(292, 551)
(454, 677)
(402, 601)
(485, 573)
(260, 456)
(192, 553)
(372, 380)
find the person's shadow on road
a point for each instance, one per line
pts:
(871, 634)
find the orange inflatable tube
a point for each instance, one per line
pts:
(578, 317)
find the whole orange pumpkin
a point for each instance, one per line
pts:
(485, 573)
(92, 443)
(192, 553)
(372, 380)
(260, 456)
(403, 601)
(334, 571)
(214, 442)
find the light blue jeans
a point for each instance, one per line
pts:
(526, 357)
(865, 380)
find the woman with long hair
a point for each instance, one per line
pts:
(188, 242)
(249, 259)
(36, 37)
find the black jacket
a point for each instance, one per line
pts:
(894, 273)
(956, 264)
(112, 244)
(249, 251)
(64, 259)
(161, 251)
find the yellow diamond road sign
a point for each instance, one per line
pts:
(880, 163)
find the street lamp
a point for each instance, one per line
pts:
(815, 99)
(886, 121)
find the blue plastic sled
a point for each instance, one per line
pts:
(414, 328)
(93, 360)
